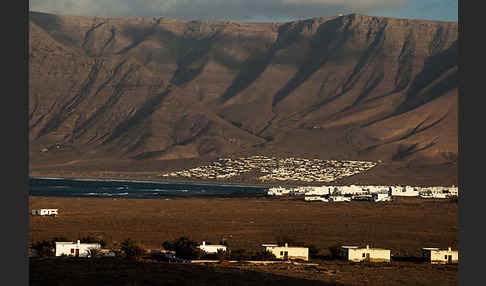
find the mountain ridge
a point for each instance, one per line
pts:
(347, 87)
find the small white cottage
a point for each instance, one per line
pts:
(211, 248)
(77, 248)
(287, 252)
(381, 197)
(43, 212)
(315, 198)
(339, 198)
(440, 256)
(358, 254)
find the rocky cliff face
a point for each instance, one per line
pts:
(350, 87)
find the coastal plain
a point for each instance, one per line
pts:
(404, 225)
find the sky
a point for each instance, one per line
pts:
(250, 10)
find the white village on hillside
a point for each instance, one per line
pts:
(274, 169)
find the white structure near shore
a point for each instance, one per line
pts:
(440, 256)
(315, 199)
(44, 212)
(369, 193)
(358, 254)
(287, 252)
(77, 248)
(211, 248)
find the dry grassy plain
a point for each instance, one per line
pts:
(404, 225)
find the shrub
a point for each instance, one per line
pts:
(263, 255)
(44, 248)
(131, 248)
(239, 254)
(184, 248)
(313, 250)
(94, 252)
(335, 250)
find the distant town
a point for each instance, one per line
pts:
(364, 193)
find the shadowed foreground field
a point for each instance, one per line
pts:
(115, 271)
(404, 225)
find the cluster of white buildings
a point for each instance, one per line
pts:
(274, 169)
(44, 212)
(429, 254)
(347, 253)
(369, 193)
(285, 252)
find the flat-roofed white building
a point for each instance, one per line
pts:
(405, 191)
(440, 256)
(339, 198)
(75, 248)
(45, 212)
(358, 254)
(287, 252)
(212, 248)
(315, 199)
(381, 197)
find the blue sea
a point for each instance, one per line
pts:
(58, 187)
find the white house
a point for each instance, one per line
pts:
(338, 198)
(358, 254)
(75, 248)
(315, 199)
(287, 252)
(45, 212)
(440, 256)
(381, 197)
(406, 191)
(211, 248)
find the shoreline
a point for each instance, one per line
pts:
(147, 182)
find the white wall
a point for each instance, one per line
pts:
(44, 212)
(375, 254)
(293, 252)
(65, 248)
(439, 255)
(208, 248)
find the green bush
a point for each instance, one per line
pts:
(313, 250)
(239, 254)
(44, 247)
(335, 250)
(263, 255)
(131, 248)
(184, 248)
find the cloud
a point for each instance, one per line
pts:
(238, 10)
